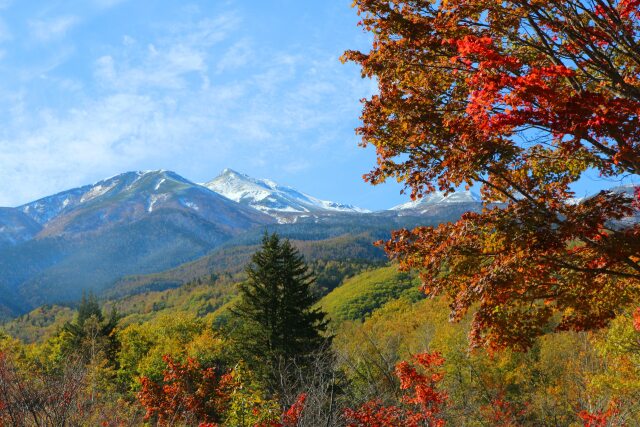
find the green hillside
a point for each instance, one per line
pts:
(360, 295)
(39, 324)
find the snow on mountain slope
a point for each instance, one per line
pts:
(132, 196)
(439, 198)
(627, 189)
(16, 227)
(276, 200)
(45, 209)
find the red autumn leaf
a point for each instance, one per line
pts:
(463, 101)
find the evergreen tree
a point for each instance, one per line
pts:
(88, 307)
(275, 321)
(90, 332)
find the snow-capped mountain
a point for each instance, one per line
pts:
(91, 236)
(627, 189)
(276, 200)
(438, 198)
(47, 208)
(131, 196)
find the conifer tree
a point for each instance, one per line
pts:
(91, 328)
(275, 321)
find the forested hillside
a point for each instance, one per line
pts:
(378, 319)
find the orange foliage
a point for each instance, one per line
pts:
(290, 417)
(502, 413)
(188, 392)
(422, 406)
(599, 418)
(636, 319)
(521, 98)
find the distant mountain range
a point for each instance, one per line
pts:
(140, 223)
(231, 201)
(131, 197)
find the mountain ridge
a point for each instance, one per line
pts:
(150, 222)
(279, 201)
(88, 237)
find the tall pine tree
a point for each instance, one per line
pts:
(275, 321)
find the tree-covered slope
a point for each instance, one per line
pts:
(360, 295)
(332, 258)
(58, 269)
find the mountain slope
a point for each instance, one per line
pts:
(437, 198)
(276, 200)
(362, 294)
(16, 227)
(133, 223)
(232, 258)
(131, 196)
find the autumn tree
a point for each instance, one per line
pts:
(34, 397)
(421, 405)
(521, 98)
(188, 393)
(276, 321)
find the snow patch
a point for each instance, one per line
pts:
(439, 197)
(191, 205)
(153, 199)
(97, 191)
(159, 184)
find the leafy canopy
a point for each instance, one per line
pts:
(521, 98)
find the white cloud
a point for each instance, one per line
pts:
(128, 40)
(181, 101)
(117, 131)
(236, 56)
(167, 63)
(52, 29)
(297, 165)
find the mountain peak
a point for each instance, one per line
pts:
(271, 198)
(440, 198)
(228, 171)
(130, 196)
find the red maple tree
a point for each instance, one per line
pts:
(290, 417)
(601, 418)
(188, 393)
(522, 98)
(422, 405)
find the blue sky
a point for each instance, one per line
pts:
(92, 88)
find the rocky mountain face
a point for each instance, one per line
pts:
(130, 197)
